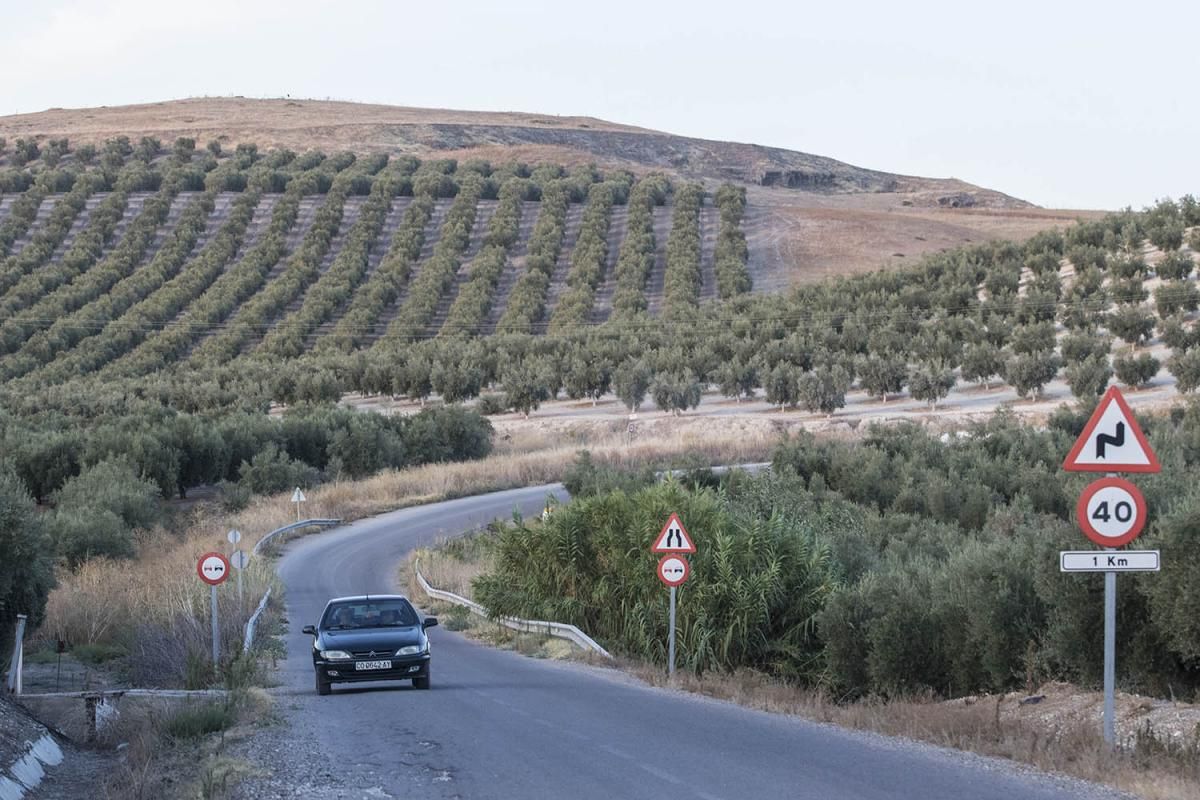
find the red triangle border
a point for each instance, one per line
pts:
(1113, 394)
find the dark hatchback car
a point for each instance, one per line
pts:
(370, 638)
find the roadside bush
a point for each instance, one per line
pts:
(751, 601)
(586, 478)
(271, 471)
(80, 534)
(26, 559)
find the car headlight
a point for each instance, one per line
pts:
(410, 650)
(333, 655)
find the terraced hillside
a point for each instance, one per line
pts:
(558, 246)
(175, 295)
(808, 216)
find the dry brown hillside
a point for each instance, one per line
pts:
(809, 216)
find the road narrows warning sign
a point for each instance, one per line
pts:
(673, 538)
(1112, 441)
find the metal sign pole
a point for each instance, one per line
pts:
(241, 599)
(671, 641)
(1110, 656)
(215, 629)
(1110, 652)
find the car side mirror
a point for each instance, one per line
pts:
(429, 622)
(309, 629)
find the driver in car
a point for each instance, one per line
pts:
(344, 617)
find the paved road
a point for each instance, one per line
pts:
(501, 725)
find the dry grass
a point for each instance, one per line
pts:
(990, 726)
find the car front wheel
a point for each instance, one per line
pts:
(423, 681)
(322, 686)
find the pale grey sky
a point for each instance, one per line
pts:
(1066, 104)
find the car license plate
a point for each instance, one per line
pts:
(372, 664)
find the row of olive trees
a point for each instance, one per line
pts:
(82, 275)
(635, 261)
(381, 289)
(474, 299)
(263, 300)
(158, 308)
(436, 275)
(589, 257)
(334, 287)
(50, 234)
(731, 255)
(681, 281)
(526, 301)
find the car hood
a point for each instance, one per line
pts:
(381, 639)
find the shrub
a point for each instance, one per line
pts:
(80, 534)
(271, 471)
(113, 485)
(26, 558)
(200, 720)
(586, 478)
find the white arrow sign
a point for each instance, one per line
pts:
(1108, 561)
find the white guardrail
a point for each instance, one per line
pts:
(252, 623)
(559, 629)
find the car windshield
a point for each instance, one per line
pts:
(369, 614)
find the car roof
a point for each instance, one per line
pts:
(355, 598)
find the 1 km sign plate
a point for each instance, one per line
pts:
(1120, 561)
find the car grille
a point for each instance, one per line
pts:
(372, 654)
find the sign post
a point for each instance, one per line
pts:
(213, 569)
(298, 498)
(1111, 512)
(235, 536)
(673, 570)
(238, 559)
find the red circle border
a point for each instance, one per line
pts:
(687, 569)
(1139, 500)
(200, 563)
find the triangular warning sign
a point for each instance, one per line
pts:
(298, 496)
(1112, 441)
(673, 538)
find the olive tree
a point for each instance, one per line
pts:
(930, 382)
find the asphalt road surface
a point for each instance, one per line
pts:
(500, 725)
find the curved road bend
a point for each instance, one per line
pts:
(501, 725)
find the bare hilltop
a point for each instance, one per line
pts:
(809, 216)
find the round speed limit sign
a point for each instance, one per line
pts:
(1111, 511)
